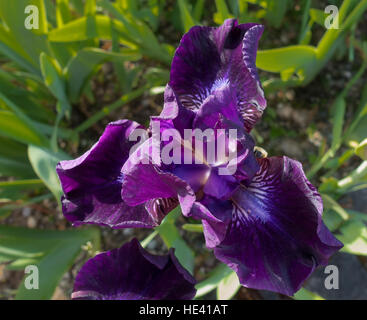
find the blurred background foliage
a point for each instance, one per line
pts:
(94, 61)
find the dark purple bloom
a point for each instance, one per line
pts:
(131, 273)
(92, 184)
(263, 218)
(264, 221)
(210, 60)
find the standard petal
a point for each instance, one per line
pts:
(276, 237)
(131, 273)
(92, 183)
(211, 58)
(250, 95)
(194, 67)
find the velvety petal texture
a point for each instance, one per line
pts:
(210, 59)
(92, 183)
(131, 273)
(276, 236)
(145, 181)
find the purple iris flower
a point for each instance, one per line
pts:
(131, 273)
(263, 218)
(264, 221)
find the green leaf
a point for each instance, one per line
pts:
(332, 219)
(198, 10)
(53, 252)
(13, 127)
(358, 215)
(354, 237)
(338, 111)
(304, 294)
(186, 18)
(222, 12)
(172, 239)
(15, 52)
(54, 80)
(77, 6)
(13, 149)
(26, 99)
(137, 32)
(16, 189)
(44, 164)
(34, 41)
(213, 280)
(330, 203)
(318, 16)
(305, 32)
(299, 58)
(357, 131)
(15, 168)
(358, 175)
(18, 116)
(228, 287)
(14, 160)
(275, 11)
(85, 28)
(84, 64)
(63, 13)
(90, 7)
(361, 150)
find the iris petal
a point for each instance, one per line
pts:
(145, 181)
(92, 183)
(276, 236)
(210, 58)
(131, 273)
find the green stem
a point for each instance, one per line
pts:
(21, 183)
(193, 227)
(345, 156)
(355, 15)
(319, 164)
(149, 238)
(355, 78)
(353, 178)
(356, 121)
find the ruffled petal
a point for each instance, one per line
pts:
(211, 58)
(145, 181)
(216, 217)
(92, 183)
(131, 273)
(276, 237)
(250, 95)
